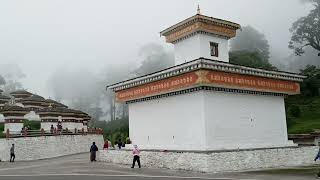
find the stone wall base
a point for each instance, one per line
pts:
(34, 148)
(217, 161)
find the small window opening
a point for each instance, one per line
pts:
(214, 49)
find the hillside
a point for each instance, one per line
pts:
(303, 114)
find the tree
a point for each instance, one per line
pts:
(311, 85)
(251, 40)
(12, 86)
(79, 89)
(155, 59)
(115, 129)
(306, 31)
(250, 59)
(111, 75)
(10, 77)
(300, 62)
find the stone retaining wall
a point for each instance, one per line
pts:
(34, 148)
(217, 161)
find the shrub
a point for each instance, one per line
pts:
(32, 125)
(294, 111)
(1, 127)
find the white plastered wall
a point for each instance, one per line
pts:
(245, 121)
(14, 128)
(208, 120)
(187, 50)
(198, 46)
(72, 125)
(175, 122)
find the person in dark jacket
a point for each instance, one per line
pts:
(12, 154)
(93, 152)
(51, 129)
(316, 158)
(119, 144)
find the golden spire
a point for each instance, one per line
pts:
(198, 9)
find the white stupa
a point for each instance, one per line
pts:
(204, 103)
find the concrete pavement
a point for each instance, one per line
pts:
(78, 167)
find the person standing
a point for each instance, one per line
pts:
(51, 129)
(93, 152)
(12, 155)
(106, 145)
(136, 156)
(119, 144)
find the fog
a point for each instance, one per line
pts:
(50, 39)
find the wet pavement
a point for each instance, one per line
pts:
(79, 167)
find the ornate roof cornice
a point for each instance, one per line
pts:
(209, 64)
(200, 18)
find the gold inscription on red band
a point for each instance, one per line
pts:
(173, 83)
(252, 82)
(209, 78)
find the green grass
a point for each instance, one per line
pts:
(309, 118)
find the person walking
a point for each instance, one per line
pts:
(316, 158)
(136, 156)
(93, 152)
(12, 155)
(318, 155)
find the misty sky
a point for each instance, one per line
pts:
(44, 35)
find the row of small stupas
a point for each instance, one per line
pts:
(22, 105)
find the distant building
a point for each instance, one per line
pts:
(16, 109)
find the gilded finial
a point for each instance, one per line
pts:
(198, 9)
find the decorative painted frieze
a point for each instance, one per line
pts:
(212, 79)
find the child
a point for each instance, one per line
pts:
(136, 156)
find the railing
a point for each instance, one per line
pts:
(55, 132)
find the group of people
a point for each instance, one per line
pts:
(135, 152)
(24, 130)
(57, 129)
(118, 145)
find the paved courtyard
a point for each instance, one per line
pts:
(79, 167)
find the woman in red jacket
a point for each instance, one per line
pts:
(106, 145)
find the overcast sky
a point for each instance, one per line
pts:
(43, 35)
